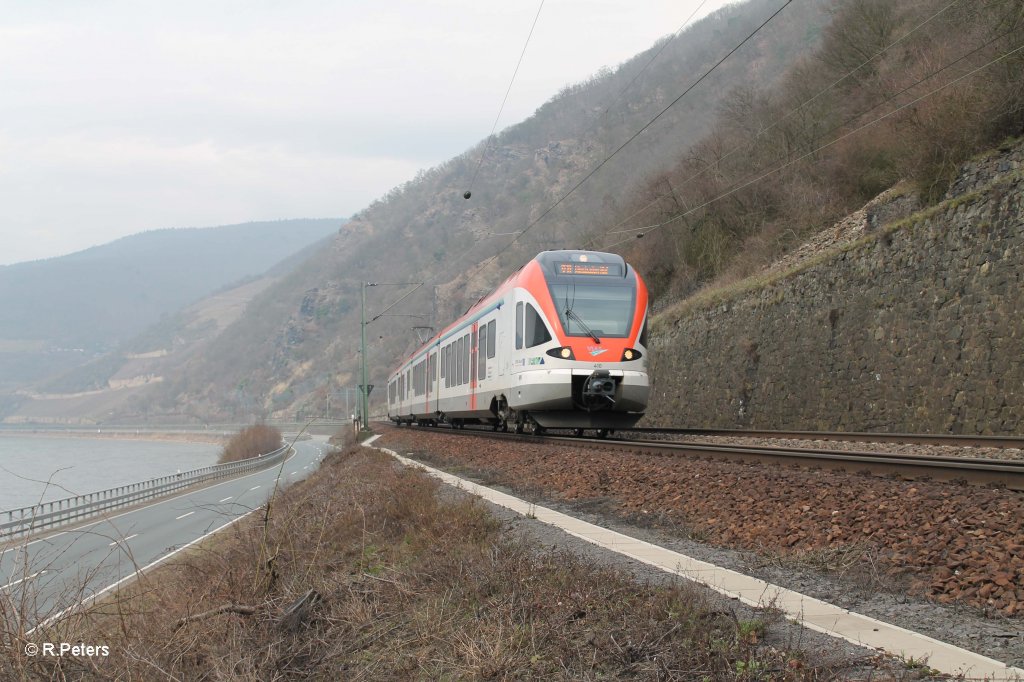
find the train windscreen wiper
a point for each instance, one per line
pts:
(583, 325)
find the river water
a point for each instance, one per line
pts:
(81, 465)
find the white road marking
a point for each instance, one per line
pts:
(91, 598)
(226, 498)
(176, 518)
(293, 473)
(253, 488)
(79, 529)
(156, 562)
(125, 540)
(38, 573)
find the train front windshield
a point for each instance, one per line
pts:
(605, 310)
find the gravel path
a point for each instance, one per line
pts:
(937, 558)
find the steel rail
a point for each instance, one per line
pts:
(852, 436)
(976, 471)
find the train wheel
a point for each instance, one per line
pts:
(518, 428)
(577, 432)
(602, 433)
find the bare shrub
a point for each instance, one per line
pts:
(250, 442)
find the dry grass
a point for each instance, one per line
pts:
(251, 441)
(373, 574)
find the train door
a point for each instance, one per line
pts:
(502, 353)
(471, 356)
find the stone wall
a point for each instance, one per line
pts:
(916, 327)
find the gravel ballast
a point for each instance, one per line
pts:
(941, 559)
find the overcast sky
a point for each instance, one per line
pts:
(120, 117)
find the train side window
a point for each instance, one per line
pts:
(481, 355)
(535, 331)
(443, 362)
(451, 365)
(491, 340)
(519, 326)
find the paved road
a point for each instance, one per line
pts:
(45, 577)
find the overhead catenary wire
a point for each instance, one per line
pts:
(783, 119)
(487, 143)
(675, 34)
(635, 135)
(748, 183)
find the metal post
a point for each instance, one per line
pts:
(362, 346)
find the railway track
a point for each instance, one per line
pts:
(856, 437)
(976, 471)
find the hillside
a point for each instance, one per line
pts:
(56, 314)
(829, 105)
(301, 335)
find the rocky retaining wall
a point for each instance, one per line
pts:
(917, 327)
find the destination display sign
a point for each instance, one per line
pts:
(598, 269)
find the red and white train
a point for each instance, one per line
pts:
(562, 343)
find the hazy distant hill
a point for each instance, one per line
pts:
(55, 313)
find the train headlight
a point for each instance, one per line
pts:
(563, 353)
(631, 354)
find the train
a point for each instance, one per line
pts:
(560, 344)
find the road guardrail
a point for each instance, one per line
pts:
(45, 515)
